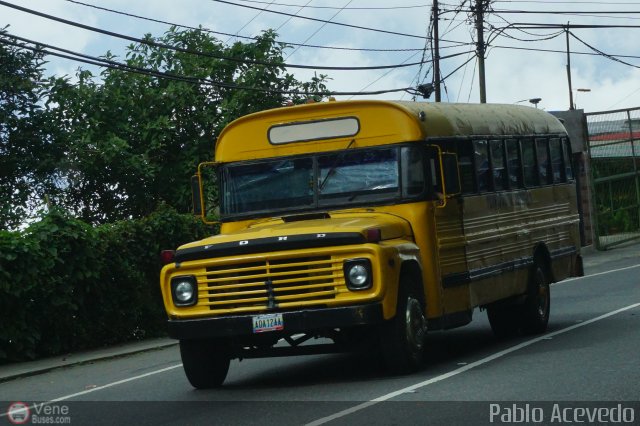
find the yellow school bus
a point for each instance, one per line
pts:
(351, 224)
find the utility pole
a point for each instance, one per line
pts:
(571, 105)
(480, 4)
(436, 51)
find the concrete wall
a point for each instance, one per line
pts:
(576, 124)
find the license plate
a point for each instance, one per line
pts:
(268, 322)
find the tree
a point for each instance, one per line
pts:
(133, 140)
(26, 153)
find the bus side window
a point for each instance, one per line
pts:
(465, 164)
(555, 149)
(514, 164)
(529, 163)
(566, 149)
(544, 165)
(481, 163)
(498, 165)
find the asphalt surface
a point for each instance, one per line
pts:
(594, 262)
(588, 360)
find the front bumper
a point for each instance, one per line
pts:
(302, 321)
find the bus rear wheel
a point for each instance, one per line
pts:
(205, 362)
(403, 339)
(537, 305)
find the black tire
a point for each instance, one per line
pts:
(504, 320)
(537, 305)
(403, 338)
(205, 362)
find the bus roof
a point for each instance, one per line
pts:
(334, 125)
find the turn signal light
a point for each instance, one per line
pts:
(167, 256)
(373, 235)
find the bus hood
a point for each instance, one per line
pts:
(299, 232)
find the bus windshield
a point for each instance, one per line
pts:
(320, 181)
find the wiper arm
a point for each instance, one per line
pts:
(334, 166)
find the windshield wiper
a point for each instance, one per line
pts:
(334, 166)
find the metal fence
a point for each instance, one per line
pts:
(614, 149)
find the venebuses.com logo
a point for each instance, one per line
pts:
(18, 413)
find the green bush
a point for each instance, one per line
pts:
(65, 285)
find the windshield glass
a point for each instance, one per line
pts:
(267, 186)
(353, 176)
(364, 174)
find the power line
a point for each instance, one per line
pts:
(321, 20)
(320, 29)
(248, 22)
(291, 17)
(159, 21)
(600, 52)
(564, 52)
(335, 7)
(107, 63)
(194, 52)
(568, 2)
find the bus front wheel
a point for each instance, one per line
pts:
(205, 362)
(403, 338)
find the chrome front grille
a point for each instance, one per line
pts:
(271, 284)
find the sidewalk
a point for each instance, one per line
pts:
(30, 368)
(594, 262)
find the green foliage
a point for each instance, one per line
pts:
(65, 285)
(133, 141)
(25, 149)
(114, 151)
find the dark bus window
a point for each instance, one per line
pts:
(514, 164)
(465, 164)
(544, 166)
(481, 153)
(555, 149)
(498, 166)
(529, 163)
(566, 148)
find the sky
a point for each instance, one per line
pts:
(514, 72)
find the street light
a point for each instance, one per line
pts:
(534, 101)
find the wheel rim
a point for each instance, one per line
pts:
(415, 324)
(543, 294)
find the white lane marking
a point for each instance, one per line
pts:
(595, 275)
(463, 369)
(108, 385)
(393, 394)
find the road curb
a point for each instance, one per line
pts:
(33, 368)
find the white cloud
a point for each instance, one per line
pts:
(512, 75)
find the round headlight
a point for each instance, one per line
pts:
(184, 291)
(358, 275)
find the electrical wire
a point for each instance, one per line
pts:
(108, 63)
(193, 52)
(600, 52)
(296, 14)
(159, 21)
(342, 24)
(248, 22)
(334, 7)
(324, 24)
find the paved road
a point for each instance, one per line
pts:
(590, 354)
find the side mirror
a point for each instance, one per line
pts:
(203, 197)
(196, 195)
